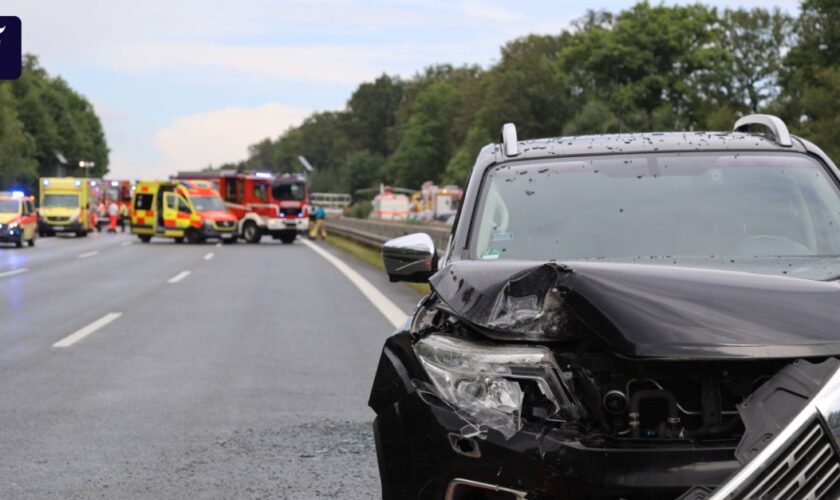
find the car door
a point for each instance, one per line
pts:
(170, 215)
(185, 214)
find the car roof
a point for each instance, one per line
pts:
(630, 143)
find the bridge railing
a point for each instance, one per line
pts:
(376, 232)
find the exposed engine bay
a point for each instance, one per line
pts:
(605, 395)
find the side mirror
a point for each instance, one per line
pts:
(410, 258)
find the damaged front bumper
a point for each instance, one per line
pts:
(424, 453)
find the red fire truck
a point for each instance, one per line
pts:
(116, 191)
(263, 203)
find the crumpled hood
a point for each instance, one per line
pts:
(647, 311)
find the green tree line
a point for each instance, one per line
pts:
(651, 67)
(42, 119)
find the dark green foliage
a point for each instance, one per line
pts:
(651, 67)
(39, 117)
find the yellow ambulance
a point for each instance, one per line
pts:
(18, 219)
(182, 210)
(65, 206)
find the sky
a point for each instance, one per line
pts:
(183, 84)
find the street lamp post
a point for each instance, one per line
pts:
(87, 165)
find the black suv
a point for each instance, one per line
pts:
(647, 315)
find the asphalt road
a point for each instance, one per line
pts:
(201, 371)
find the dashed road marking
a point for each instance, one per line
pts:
(127, 243)
(219, 244)
(84, 332)
(13, 272)
(208, 256)
(178, 277)
(88, 254)
(388, 309)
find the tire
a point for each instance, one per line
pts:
(145, 238)
(251, 232)
(81, 234)
(179, 240)
(229, 241)
(192, 236)
(288, 238)
(19, 243)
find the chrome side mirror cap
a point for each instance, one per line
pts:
(411, 258)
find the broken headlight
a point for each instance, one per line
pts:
(486, 383)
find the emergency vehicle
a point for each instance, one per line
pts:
(182, 210)
(390, 206)
(65, 206)
(113, 191)
(262, 203)
(18, 218)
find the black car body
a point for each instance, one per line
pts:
(619, 376)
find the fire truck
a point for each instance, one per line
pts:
(117, 191)
(263, 203)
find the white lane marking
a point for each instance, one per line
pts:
(88, 254)
(178, 277)
(219, 244)
(127, 243)
(208, 256)
(388, 309)
(13, 272)
(84, 332)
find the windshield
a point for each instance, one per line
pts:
(9, 206)
(675, 207)
(206, 203)
(60, 200)
(293, 192)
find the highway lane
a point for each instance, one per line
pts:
(246, 378)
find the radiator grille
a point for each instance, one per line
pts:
(809, 468)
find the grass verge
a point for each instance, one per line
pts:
(370, 255)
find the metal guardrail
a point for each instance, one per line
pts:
(376, 232)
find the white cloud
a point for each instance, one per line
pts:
(196, 141)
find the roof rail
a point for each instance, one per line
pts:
(510, 143)
(775, 124)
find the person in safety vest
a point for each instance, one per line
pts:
(123, 217)
(113, 214)
(316, 228)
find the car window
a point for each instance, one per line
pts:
(632, 207)
(143, 202)
(183, 206)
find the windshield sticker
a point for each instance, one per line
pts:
(499, 236)
(491, 254)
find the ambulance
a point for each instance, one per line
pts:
(181, 210)
(18, 219)
(65, 206)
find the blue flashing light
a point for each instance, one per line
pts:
(46, 182)
(282, 215)
(300, 215)
(115, 183)
(93, 183)
(17, 194)
(264, 175)
(78, 183)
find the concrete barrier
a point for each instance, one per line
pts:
(376, 232)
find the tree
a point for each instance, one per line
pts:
(17, 165)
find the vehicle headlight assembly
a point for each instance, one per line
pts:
(486, 383)
(13, 226)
